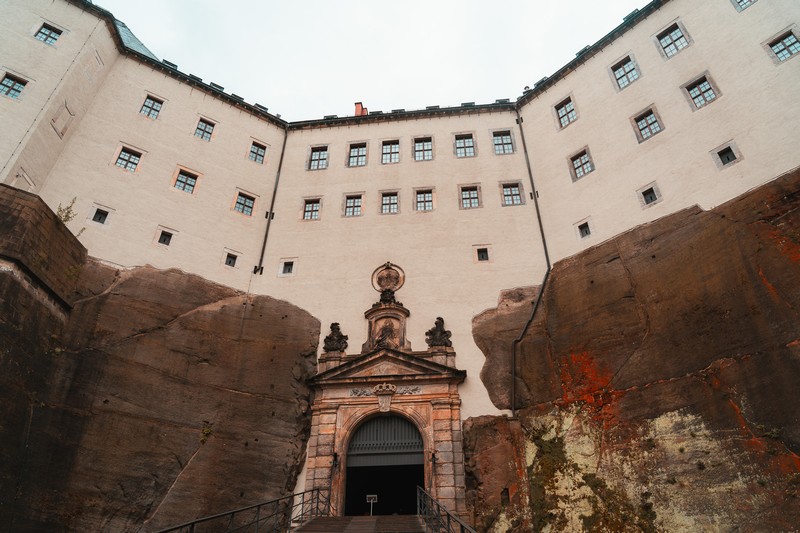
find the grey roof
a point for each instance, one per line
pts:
(131, 41)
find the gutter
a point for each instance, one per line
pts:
(515, 343)
(259, 268)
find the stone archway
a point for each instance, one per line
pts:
(385, 458)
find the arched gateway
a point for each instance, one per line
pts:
(387, 419)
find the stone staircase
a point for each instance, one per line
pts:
(363, 524)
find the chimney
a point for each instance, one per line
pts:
(361, 110)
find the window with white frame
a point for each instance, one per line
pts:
(389, 204)
(390, 152)
(186, 181)
(581, 164)
(701, 91)
(785, 46)
(647, 125)
(512, 194)
(358, 155)
(502, 142)
(151, 107)
(257, 152)
(244, 204)
(12, 86)
(470, 197)
(465, 145)
(625, 72)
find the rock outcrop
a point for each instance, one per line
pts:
(657, 384)
(159, 397)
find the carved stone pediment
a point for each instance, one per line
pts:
(389, 365)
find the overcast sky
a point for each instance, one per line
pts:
(310, 58)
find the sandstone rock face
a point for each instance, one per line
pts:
(657, 385)
(160, 398)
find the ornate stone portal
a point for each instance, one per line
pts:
(388, 378)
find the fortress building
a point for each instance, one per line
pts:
(417, 250)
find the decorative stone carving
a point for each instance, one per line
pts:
(388, 276)
(407, 391)
(437, 335)
(355, 392)
(335, 342)
(384, 392)
(386, 335)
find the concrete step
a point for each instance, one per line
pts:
(363, 524)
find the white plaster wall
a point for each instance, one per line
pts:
(758, 109)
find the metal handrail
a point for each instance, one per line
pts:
(274, 516)
(436, 516)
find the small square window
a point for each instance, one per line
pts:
(672, 40)
(482, 254)
(244, 204)
(625, 72)
(100, 216)
(319, 158)
(230, 260)
(257, 152)
(785, 46)
(465, 145)
(311, 209)
(186, 181)
(584, 230)
(11, 86)
(423, 149)
(649, 195)
(48, 34)
(741, 5)
(581, 164)
(352, 206)
(470, 198)
(424, 200)
(358, 155)
(566, 112)
(204, 129)
(701, 92)
(390, 152)
(151, 107)
(165, 238)
(128, 159)
(287, 267)
(647, 125)
(727, 155)
(389, 203)
(512, 194)
(502, 142)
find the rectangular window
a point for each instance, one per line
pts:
(358, 155)
(647, 125)
(165, 238)
(566, 112)
(649, 195)
(743, 4)
(584, 230)
(128, 159)
(287, 267)
(784, 47)
(48, 34)
(186, 181)
(726, 155)
(581, 164)
(465, 145)
(502, 142)
(512, 194)
(389, 203)
(11, 86)
(423, 149)
(257, 152)
(482, 254)
(672, 40)
(469, 198)
(701, 92)
(391, 152)
(244, 204)
(319, 158)
(151, 107)
(311, 209)
(424, 200)
(100, 216)
(352, 206)
(230, 260)
(204, 129)
(625, 72)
